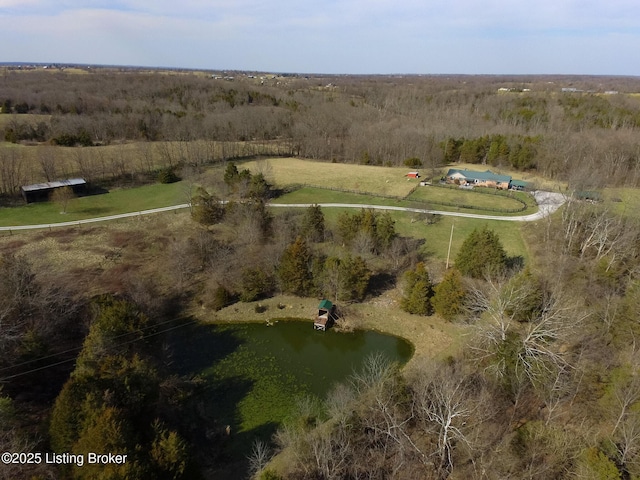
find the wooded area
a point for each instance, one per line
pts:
(110, 124)
(541, 382)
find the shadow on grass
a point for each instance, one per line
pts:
(94, 190)
(95, 211)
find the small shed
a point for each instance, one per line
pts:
(39, 192)
(324, 319)
(413, 175)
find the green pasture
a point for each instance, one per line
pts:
(111, 203)
(436, 230)
(490, 201)
(437, 234)
(484, 204)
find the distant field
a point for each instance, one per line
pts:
(105, 161)
(361, 178)
(29, 118)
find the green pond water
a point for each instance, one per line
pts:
(257, 372)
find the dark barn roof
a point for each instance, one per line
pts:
(71, 182)
(40, 191)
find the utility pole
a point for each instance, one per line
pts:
(449, 250)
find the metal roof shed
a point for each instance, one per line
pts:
(41, 191)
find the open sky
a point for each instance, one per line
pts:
(330, 36)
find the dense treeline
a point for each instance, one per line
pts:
(581, 136)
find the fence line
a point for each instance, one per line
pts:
(405, 198)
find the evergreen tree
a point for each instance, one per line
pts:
(294, 270)
(231, 174)
(377, 231)
(169, 452)
(108, 431)
(385, 231)
(259, 189)
(256, 284)
(205, 208)
(355, 276)
(448, 295)
(418, 291)
(313, 224)
(481, 253)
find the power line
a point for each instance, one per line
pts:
(44, 367)
(75, 349)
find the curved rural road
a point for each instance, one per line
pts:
(548, 203)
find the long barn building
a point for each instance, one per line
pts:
(39, 192)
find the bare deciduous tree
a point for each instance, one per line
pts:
(62, 196)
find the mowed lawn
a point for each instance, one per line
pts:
(437, 234)
(114, 202)
(361, 178)
(482, 204)
(474, 198)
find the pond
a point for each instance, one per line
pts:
(259, 370)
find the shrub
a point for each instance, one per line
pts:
(413, 162)
(256, 284)
(167, 175)
(221, 298)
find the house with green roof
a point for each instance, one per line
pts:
(483, 179)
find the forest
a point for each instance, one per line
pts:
(542, 377)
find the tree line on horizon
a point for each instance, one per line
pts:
(586, 139)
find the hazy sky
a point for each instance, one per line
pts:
(330, 36)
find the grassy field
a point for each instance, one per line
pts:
(475, 198)
(319, 195)
(31, 119)
(286, 171)
(361, 178)
(436, 235)
(114, 202)
(478, 200)
(623, 201)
